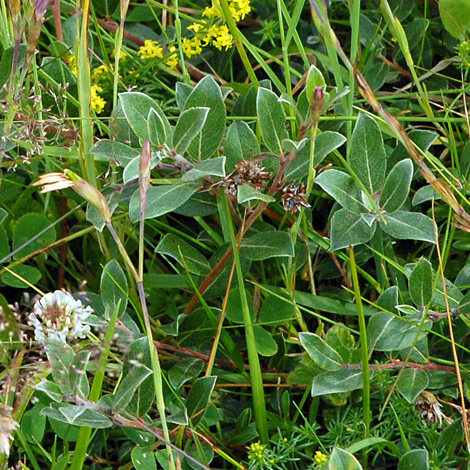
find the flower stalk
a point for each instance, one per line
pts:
(69, 179)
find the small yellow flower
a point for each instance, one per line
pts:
(224, 39)
(211, 32)
(212, 12)
(240, 8)
(99, 73)
(195, 27)
(172, 62)
(97, 103)
(192, 47)
(320, 458)
(150, 50)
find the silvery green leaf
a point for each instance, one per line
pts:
(336, 381)
(162, 199)
(320, 352)
(397, 186)
(136, 107)
(247, 193)
(342, 187)
(190, 124)
(409, 226)
(272, 120)
(406, 309)
(349, 229)
(210, 167)
(266, 245)
(369, 219)
(293, 145)
(424, 194)
(207, 93)
(367, 157)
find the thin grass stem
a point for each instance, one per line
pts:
(239, 41)
(259, 402)
(364, 347)
(84, 93)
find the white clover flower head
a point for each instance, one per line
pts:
(7, 426)
(58, 315)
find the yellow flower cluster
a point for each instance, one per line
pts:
(320, 458)
(151, 50)
(97, 103)
(99, 73)
(238, 8)
(213, 30)
(192, 46)
(172, 61)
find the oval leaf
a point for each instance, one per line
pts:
(266, 245)
(162, 199)
(265, 343)
(421, 283)
(388, 333)
(343, 460)
(247, 193)
(367, 158)
(28, 273)
(320, 352)
(397, 186)
(184, 253)
(272, 120)
(325, 143)
(136, 107)
(414, 460)
(213, 167)
(184, 371)
(189, 126)
(276, 310)
(343, 189)
(349, 229)
(114, 288)
(143, 459)
(143, 393)
(336, 381)
(137, 374)
(240, 144)
(114, 151)
(207, 94)
(156, 129)
(455, 16)
(34, 231)
(409, 226)
(199, 397)
(411, 383)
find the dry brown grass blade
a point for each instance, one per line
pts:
(452, 340)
